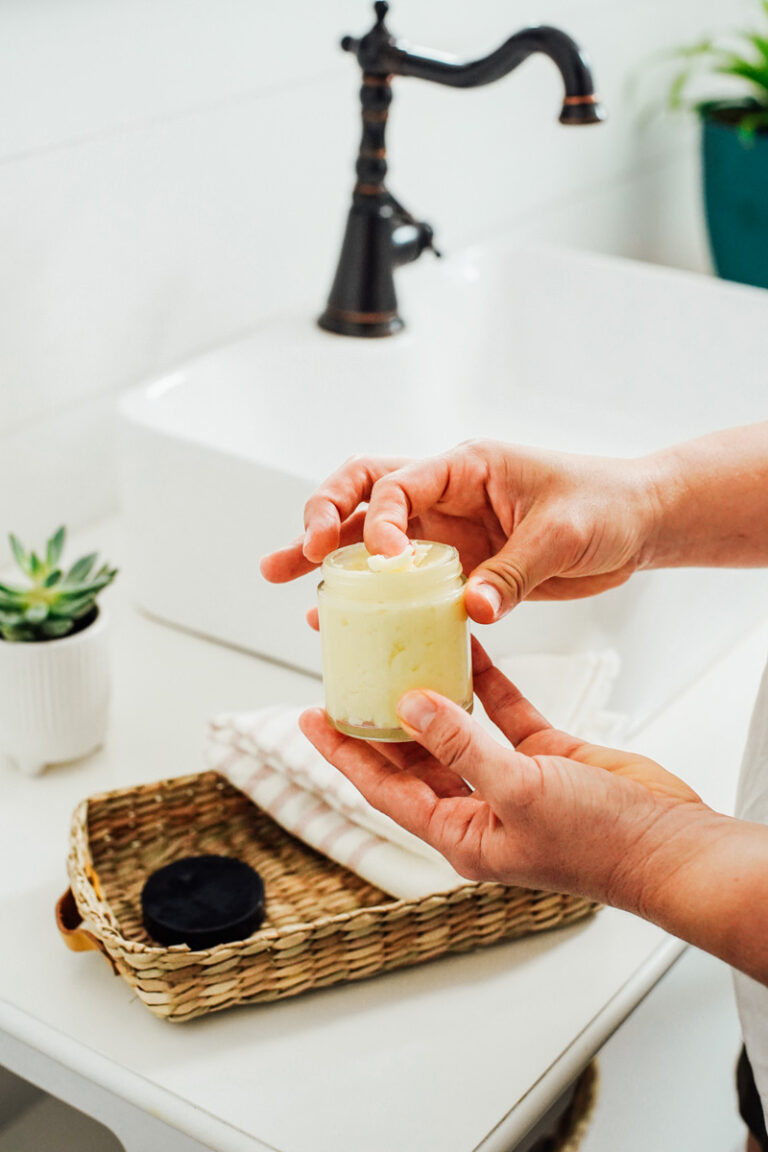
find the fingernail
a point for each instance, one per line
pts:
(490, 594)
(417, 709)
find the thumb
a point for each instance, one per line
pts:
(450, 734)
(528, 558)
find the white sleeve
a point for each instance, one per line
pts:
(752, 804)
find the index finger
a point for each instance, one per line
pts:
(400, 495)
(290, 563)
(337, 498)
(504, 703)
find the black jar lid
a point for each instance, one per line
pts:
(202, 901)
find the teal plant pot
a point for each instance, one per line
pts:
(736, 197)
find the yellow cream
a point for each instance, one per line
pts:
(388, 625)
(414, 556)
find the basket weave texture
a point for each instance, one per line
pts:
(324, 923)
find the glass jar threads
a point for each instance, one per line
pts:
(389, 625)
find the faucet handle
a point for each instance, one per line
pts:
(410, 236)
(372, 49)
(428, 236)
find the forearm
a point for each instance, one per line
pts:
(707, 883)
(711, 499)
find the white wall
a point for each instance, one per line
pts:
(172, 170)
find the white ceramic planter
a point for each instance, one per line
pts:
(54, 697)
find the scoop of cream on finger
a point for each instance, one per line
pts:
(411, 557)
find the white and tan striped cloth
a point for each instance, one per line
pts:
(265, 754)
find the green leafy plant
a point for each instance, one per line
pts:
(53, 603)
(741, 57)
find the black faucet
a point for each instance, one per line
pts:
(381, 235)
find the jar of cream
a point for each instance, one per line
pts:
(389, 625)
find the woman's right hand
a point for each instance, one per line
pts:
(554, 813)
(528, 524)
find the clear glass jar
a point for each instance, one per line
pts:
(386, 632)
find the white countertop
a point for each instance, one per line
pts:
(458, 1054)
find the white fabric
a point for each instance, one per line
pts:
(265, 754)
(752, 804)
(572, 691)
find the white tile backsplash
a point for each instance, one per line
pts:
(173, 170)
(58, 469)
(75, 69)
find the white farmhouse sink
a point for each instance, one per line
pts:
(537, 346)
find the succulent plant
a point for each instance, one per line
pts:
(54, 602)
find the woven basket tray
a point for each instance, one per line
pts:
(324, 924)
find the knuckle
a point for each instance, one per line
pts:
(463, 857)
(530, 785)
(569, 533)
(477, 455)
(319, 496)
(386, 490)
(358, 463)
(473, 444)
(466, 866)
(452, 742)
(511, 574)
(346, 477)
(318, 501)
(476, 445)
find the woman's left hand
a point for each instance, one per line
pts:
(553, 812)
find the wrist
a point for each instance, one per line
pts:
(660, 847)
(710, 501)
(703, 877)
(663, 859)
(662, 486)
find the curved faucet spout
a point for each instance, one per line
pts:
(380, 54)
(561, 49)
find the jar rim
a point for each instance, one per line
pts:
(446, 566)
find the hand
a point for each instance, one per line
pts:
(554, 813)
(527, 524)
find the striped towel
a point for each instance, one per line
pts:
(267, 756)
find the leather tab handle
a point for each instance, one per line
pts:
(69, 922)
